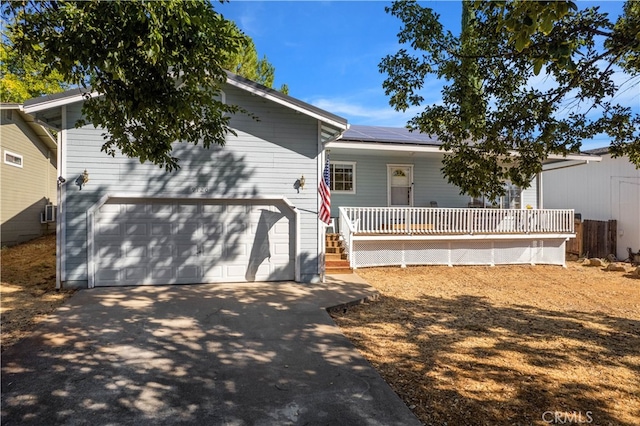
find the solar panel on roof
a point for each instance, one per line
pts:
(387, 134)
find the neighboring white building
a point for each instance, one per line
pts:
(604, 190)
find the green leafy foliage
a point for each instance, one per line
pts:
(24, 78)
(245, 63)
(497, 121)
(158, 67)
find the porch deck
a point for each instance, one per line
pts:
(383, 236)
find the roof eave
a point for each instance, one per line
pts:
(287, 101)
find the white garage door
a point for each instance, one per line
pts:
(179, 242)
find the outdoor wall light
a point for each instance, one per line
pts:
(302, 182)
(82, 179)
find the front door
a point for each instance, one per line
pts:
(400, 185)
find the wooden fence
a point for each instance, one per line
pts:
(594, 238)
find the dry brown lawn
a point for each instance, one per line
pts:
(27, 287)
(462, 346)
(514, 345)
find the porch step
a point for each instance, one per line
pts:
(337, 267)
(335, 256)
(336, 250)
(336, 261)
(338, 271)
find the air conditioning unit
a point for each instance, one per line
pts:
(49, 214)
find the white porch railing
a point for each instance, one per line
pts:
(451, 221)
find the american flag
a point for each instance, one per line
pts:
(324, 213)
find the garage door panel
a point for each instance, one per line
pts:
(136, 210)
(213, 229)
(208, 208)
(212, 250)
(163, 251)
(161, 229)
(135, 273)
(282, 228)
(186, 251)
(281, 249)
(109, 250)
(136, 229)
(110, 209)
(187, 229)
(188, 208)
(162, 210)
(213, 273)
(166, 274)
(164, 242)
(109, 229)
(106, 275)
(191, 272)
(238, 209)
(139, 251)
(237, 228)
(234, 252)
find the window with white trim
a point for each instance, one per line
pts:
(343, 177)
(13, 159)
(512, 199)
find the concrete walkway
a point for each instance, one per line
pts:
(215, 354)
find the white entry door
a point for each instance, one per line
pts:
(400, 185)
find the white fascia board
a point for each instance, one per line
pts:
(373, 146)
(45, 105)
(575, 157)
(383, 147)
(41, 131)
(283, 102)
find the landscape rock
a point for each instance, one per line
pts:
(636, 272)
(596, 262)
(615, 267)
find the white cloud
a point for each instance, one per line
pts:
(357, 113)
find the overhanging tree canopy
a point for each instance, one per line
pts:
(159, 67)
(499, 118)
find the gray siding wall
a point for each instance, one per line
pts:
(25, 190)
(429, 183)
(265, 159)
(530, 195)
(371, 182)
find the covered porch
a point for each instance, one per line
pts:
(402, 236)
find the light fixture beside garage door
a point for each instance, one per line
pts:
(82, 179)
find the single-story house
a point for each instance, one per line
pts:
(392, 206)
(28, 176)
(607, 190)
(248, 211)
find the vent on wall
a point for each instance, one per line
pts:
(49, 214)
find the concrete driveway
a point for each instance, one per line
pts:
(218, 354)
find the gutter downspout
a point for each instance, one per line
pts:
(59, 211)
(61, 228)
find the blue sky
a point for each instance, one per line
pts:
(328, 52)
